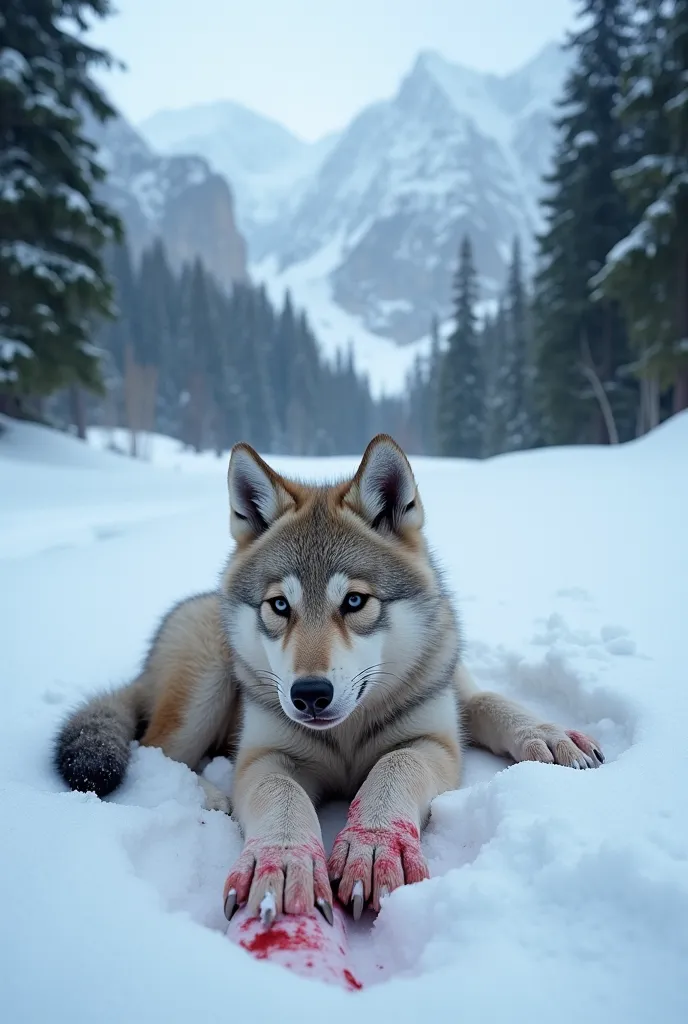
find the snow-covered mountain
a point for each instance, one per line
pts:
(453, 151)
(267, 165)
(364, 226)
(177, 198)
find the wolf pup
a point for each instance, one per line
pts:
(326, 665)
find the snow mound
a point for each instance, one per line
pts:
(553, 892)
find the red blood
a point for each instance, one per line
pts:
(580, 740)
(354, 815)
(398, 857)
(394, 838)
(407, 827)
(352, 982)
(267, 860)
(279, 938)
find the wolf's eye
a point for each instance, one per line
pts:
(280, 606)
(353, 603)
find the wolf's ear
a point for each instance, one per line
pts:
(383, 491)
(257, 497)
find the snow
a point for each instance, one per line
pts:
(634, 240)
(677, 101)
(265, 164)
(388, 166)
(384, 361)
(641, 89)
(56, 268)
(13, 66)
(553, 893)
(12, 349)
(583, 139)
(9, 350)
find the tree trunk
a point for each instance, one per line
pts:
(196, 415)
(132, 388)
(9, 404)
(76, 401)
(681, 391)
(681, 381)
(591, 375)
(649, 406)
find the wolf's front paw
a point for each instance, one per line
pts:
(371, 862)
(274, 878)
(553, 745)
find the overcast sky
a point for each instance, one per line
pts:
(310, 64)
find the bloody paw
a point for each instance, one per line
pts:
(272, 879)
(369, 863)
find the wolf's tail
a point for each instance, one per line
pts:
(92, 748)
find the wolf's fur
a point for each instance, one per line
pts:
(219, 673)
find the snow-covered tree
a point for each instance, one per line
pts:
(53, 283)
(582, 347)
(461, 391)
(647, 271)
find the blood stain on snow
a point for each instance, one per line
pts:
(351, 981)
(277, 938)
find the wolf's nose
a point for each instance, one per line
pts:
(312, 694)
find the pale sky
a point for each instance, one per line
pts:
(310, 64)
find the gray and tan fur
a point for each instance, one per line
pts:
(327, 665)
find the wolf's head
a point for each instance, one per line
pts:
(330, 595)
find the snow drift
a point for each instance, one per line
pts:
(553, 893)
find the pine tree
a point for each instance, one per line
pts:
(494, 346)
(461, 398)
(648, 270)
(52, 276)
(214, 359)
(582, 344)
(429, 396)
(516, 371)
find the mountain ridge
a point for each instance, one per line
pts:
(378, 208)
(178, 199)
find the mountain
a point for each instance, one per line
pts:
(364, 226)
(453, 151)
(177, 198)
(267, 165)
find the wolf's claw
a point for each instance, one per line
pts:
(268, 909)
(371, 862)
(325, 908)
(230, 904)
(553, 745)
(273, 878)
(357, 900)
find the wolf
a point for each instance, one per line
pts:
(326, 664)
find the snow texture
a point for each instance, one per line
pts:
(553, 894)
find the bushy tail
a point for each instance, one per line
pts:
(92, 748)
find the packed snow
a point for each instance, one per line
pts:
(554, 894)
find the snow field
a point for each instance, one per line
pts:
(553, 892)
